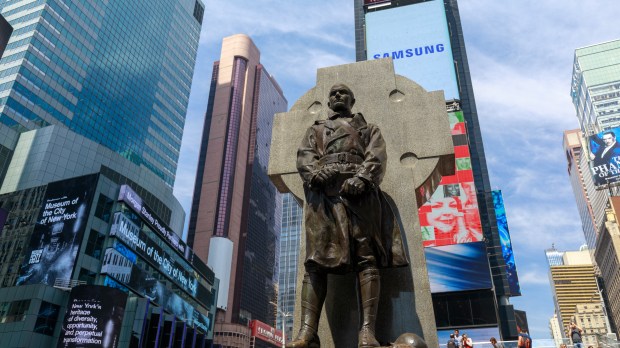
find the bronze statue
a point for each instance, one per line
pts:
(349, 225)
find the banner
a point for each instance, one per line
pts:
(506, 243)
(58, 232)
(266, 333)
(458, 267)
(149, 248)
(120, 262)
(605, 157)
(94, 317)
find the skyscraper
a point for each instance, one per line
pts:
(235, 218)
(576, 295)
(425, 41)
(116, 72)
(595, 87)
(591, 202)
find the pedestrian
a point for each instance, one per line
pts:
(495, 344)
(467, 342)
(575, 335)
(452, 343)
(458, 338)
(525, 341)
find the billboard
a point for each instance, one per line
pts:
(506, 243)
(119, 263)
(416, 37)
(605, 157)
(58, 232)
(266, 333)
(94, 317)
(458, 267)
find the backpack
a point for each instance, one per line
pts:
(451, 343)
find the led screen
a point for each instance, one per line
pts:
(416, 37)
(605, 157)
(480, 336)
(58, 232)
(451, 215)
(504, 237)
(458, 267)
(94, 317)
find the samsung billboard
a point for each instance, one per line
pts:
(416, 37)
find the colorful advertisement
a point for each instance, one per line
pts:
(119, 263)
(58, 232)
(134, 201)
(504, 238)
(94, 317)
(458, 267)
(605, 157)
(266, 333)
(416, 37)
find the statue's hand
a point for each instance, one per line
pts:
(324, 177)
(353, 187)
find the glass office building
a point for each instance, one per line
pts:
(117, 72)
(595, 87)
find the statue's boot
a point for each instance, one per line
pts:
(313, 293)
(370, 283)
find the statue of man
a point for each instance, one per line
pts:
(349, 225)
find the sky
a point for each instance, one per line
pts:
(520, 56)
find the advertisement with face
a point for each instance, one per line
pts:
(416, 37)
(605, 157)
(94, 317)
(458, 267)
(58, 232)
(506, 242)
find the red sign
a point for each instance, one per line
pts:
(266, 333)
(374, 2)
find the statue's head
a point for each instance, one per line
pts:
(341, 98)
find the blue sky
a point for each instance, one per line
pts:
(520, 56)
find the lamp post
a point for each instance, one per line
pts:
(284, 316)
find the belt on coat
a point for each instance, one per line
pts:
(342, 157)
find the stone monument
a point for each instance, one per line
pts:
(416, 139)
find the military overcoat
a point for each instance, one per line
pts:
(344, 233)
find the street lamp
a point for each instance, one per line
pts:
(284, 316)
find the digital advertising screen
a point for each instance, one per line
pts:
(605, 157)
(451, 215)
(58, 232)
(479, 336)
(506, 243)
(458, 267)
(94, 317)
(416, 37)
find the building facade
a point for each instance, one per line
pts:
(607, 256)
(591, 202)
(235, 218)
(595, 86)
(576, 293)
(290, 234)
(90, 254)
(105, 72)
(430, 50)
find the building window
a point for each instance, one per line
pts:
(87, 276)
(11, 312)
(104, 208)
(94, 245)
(47, 318)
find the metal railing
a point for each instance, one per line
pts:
(67, 284)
